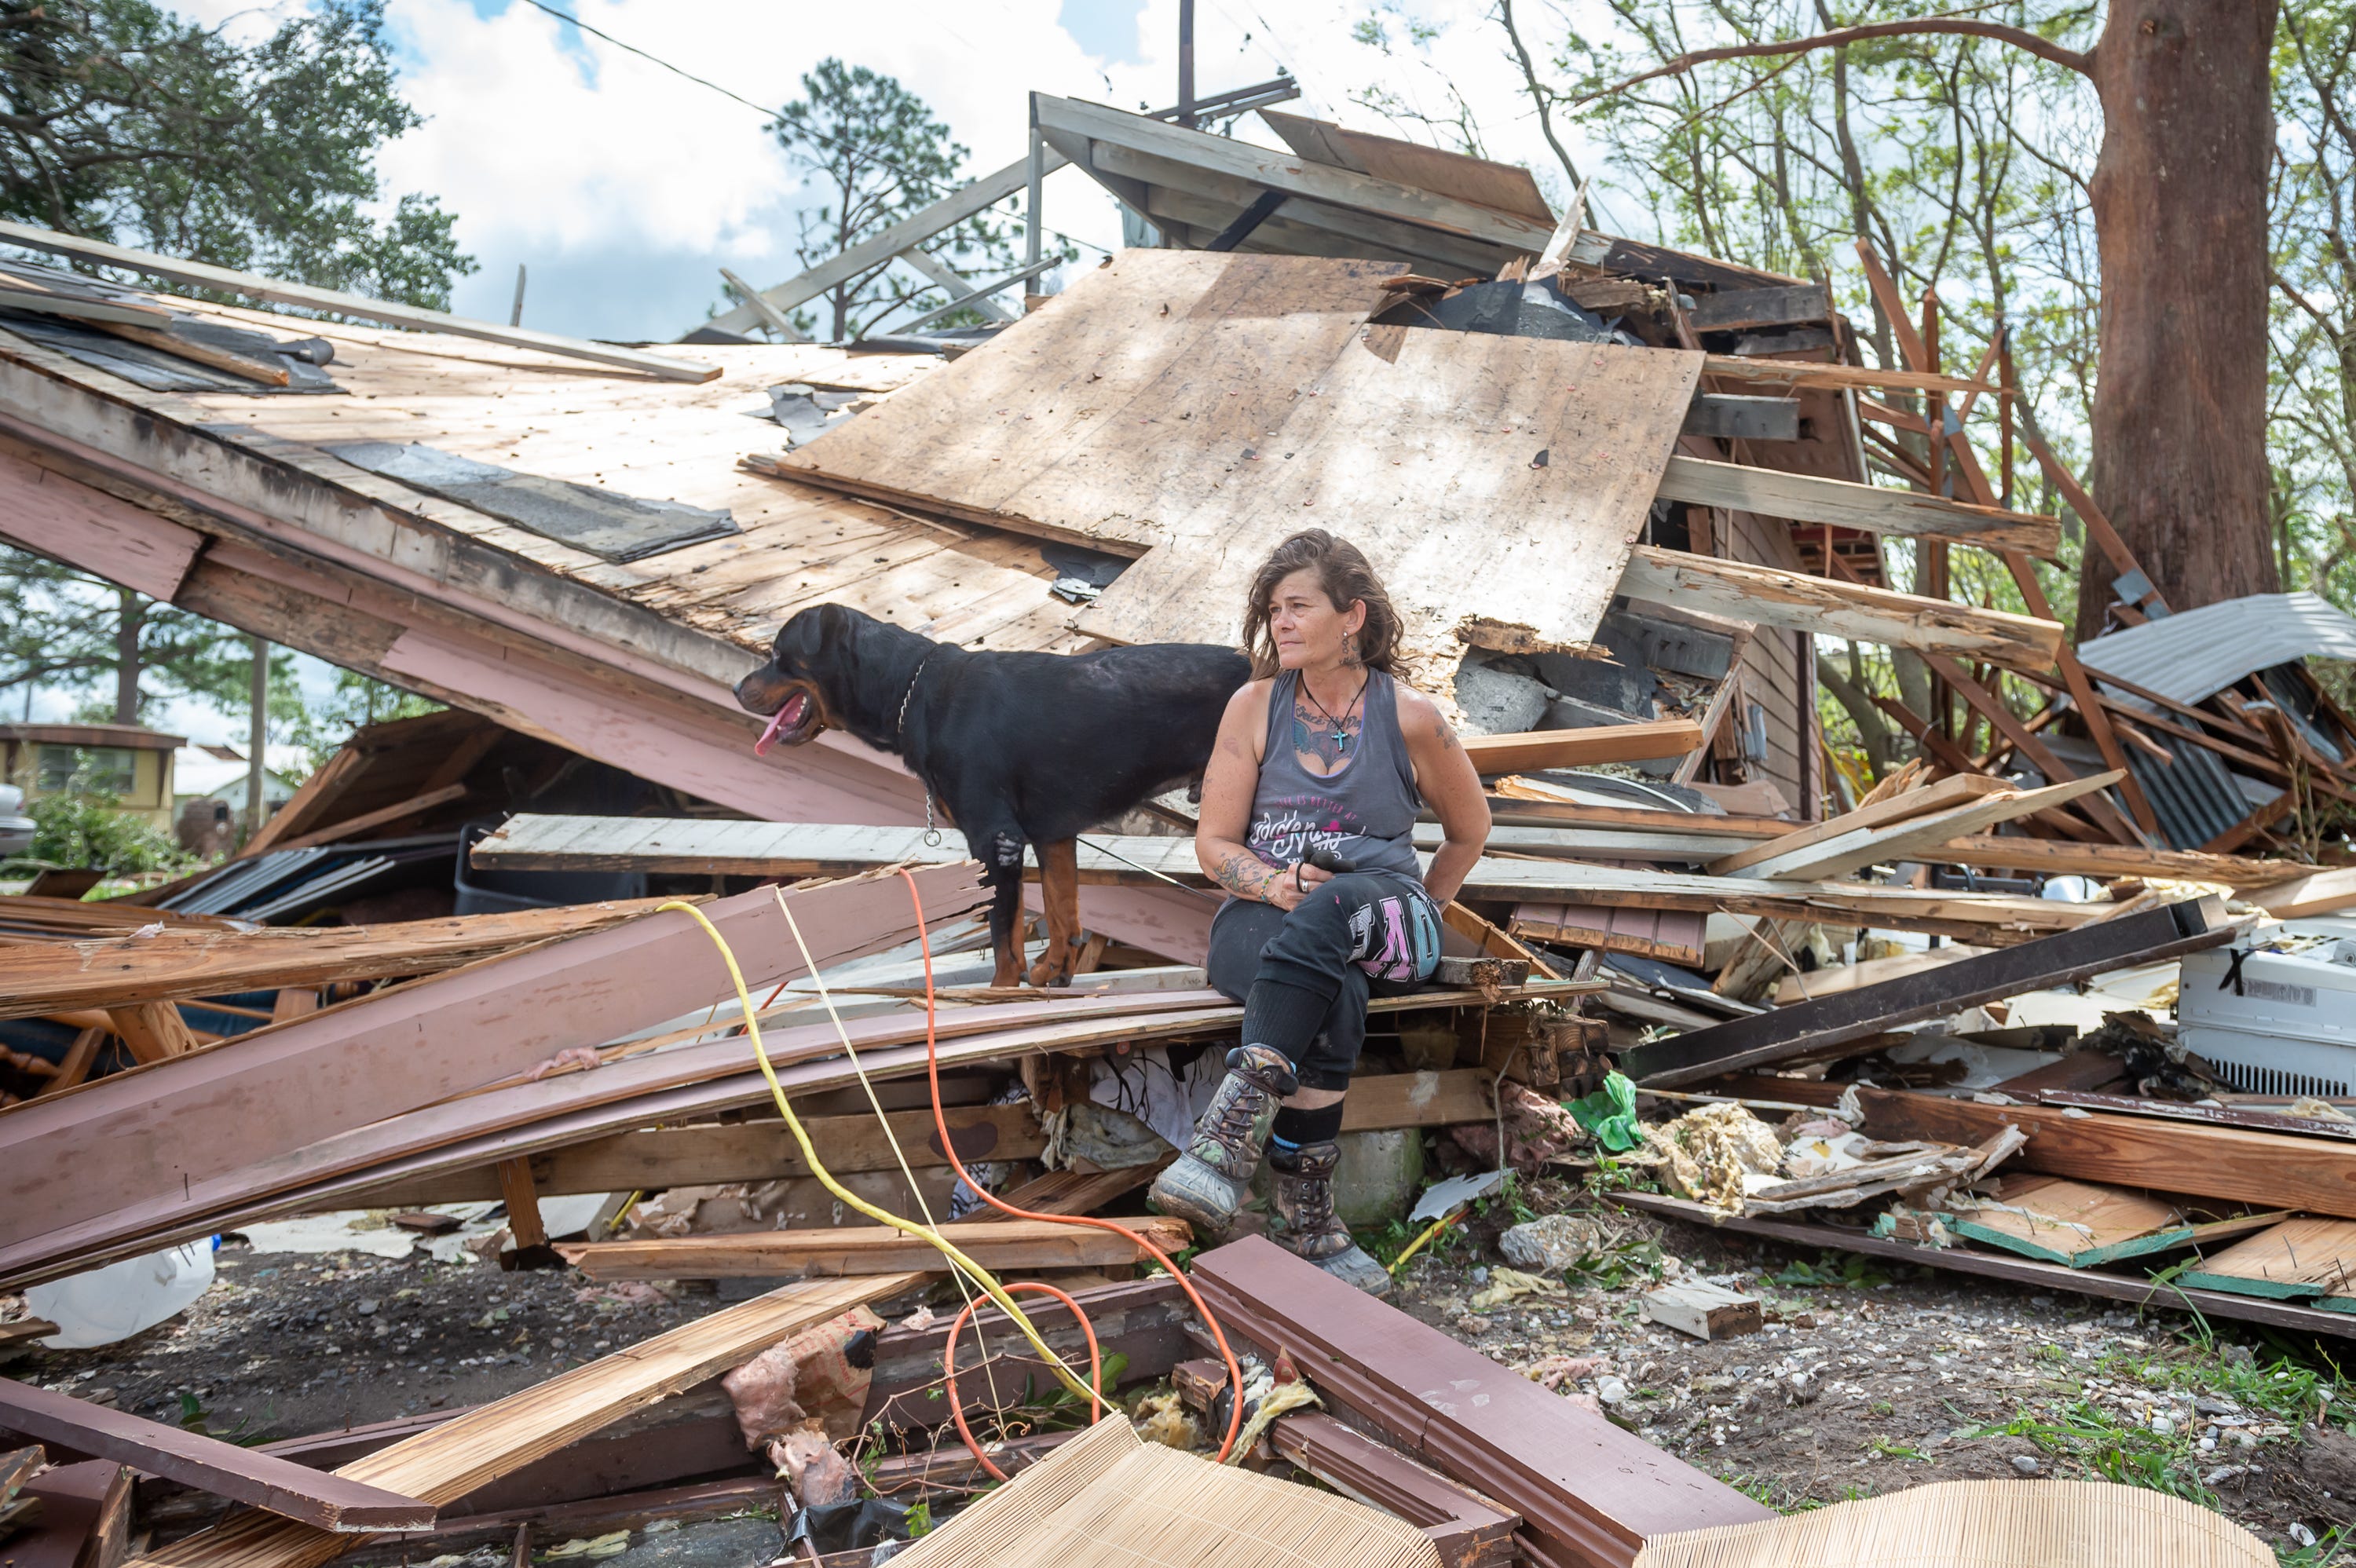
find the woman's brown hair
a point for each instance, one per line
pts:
(1344, 573)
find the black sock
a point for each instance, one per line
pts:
(1284, 1017)
(1296, 1130)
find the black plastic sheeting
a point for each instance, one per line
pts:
(602, 522)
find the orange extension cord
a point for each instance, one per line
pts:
(948, 1144)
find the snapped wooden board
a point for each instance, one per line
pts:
(1201, 407)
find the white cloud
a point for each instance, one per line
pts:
(624, 187)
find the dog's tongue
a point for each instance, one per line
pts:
(783, 718)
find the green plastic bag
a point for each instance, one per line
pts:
(1609, 1114)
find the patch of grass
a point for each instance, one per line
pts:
(2294, 1385)
(2113, 1449)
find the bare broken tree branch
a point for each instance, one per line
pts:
(2079, 60)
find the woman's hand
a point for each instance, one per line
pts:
(1291, 886)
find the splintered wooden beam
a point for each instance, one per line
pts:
(2272, 1170)
(139, 974)
(1814, 604)
(1806, 499)
(2032, 747)
(1908, 840)
(318, 1498)
(2055, 858)
(1826, 1022)
(2319, 893)
(995, 1244)
(1831, 378)
(446, 1462)
(1959, 789)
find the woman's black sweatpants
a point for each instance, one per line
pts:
(1303, 975)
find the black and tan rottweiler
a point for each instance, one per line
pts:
(1018, 748)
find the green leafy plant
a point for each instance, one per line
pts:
(1843, 1271)
(1615, 1265)
(82, 829)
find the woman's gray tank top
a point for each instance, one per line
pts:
(1366, 813)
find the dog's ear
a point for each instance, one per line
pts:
(836, 628)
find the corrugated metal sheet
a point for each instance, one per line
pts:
(2188, 656)
(2194, 798)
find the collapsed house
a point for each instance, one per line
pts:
(1616, 490)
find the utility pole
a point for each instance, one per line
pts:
(515, 316)
(259, 738)
(1187, 63)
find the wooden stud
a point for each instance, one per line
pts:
(152, 1031)
(523, 1204)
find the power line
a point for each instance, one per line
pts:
(633, 48)
(765, 113)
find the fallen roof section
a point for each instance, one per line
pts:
(1197, 408)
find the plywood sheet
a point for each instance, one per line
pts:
(1508, 188)
(2306, 1257)
(1202, 407)
(2080, 1223)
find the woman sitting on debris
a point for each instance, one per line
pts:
(1323, 757)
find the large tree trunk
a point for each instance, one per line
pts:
(2179, 203)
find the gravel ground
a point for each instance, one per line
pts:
(1864, 1379)
(1867, 1378)
(286, 1344)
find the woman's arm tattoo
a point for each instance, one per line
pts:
(1246, 875)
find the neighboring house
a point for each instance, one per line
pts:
(128, 761)
(212, 787)
(220, 772)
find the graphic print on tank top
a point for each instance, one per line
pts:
(1301, 821)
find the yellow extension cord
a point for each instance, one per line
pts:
(926, 1233)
